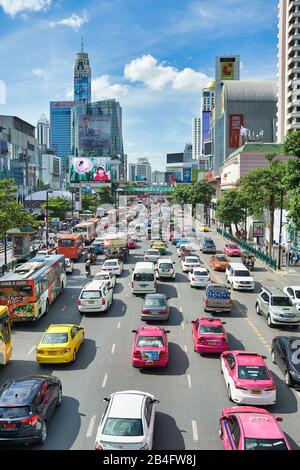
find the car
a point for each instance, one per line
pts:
(239, 277)
(294, 294)
(207, 245)
(184, 249)
(182, 241)
(276, 307)
(60, 344)
(232, 249)
(45, 252)
(251, 428)
(160, 246)
(95, 297)
(285, 353)
(155, 307)
(219, 262)
(174, 237)
(189, 262)
(199, 277)
(247, 378)
(69, 265)
(165, 268)
(26, 407)
(127, 422)
(203, 228)
(107, 276)
(209, 335)
(150, 347)
(217, 298)
(152, 255)
(114, 266)
(131, 243)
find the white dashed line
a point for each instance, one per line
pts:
(31, 350)
(195, 431)
(189, 381)
(73, 296)
(91, 426)
(104, 380)
(64, 308)
(182, 325)
(119, 324)
(178, 296)
(181, 309)
(185, 348)
(113, 349)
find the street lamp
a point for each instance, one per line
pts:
(47, 217)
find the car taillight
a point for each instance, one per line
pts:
(31, 421)
(98, 446)
(40, 351)
(137, 354)
(78, 302)
(162, 311)
(201, 340)
(193, 278)
(64, 351)
(155, 283)
(240, 387)
(223, 340)
(206, 301)
(103, 301)
(273, 387)
(230, 301)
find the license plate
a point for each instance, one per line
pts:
(91, 302)
(255, 392)
(212, 342)
(143, 285)
(52, 353)
(149, 363)
(9, 426)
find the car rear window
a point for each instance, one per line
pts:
(102, 277)
(153, 302)
(265, 444)
(253, 373)
(149, 341)
(152, 252)
(143, 277)
(13, 412)
(281, 302)
(220, 259)
(123, 427)
(91, 294)
(207, 329)
(52, 338)
(191, 260)
(200, 273)
(165, 266)
(110, 263)
(66, 243)
(242, 273)
(217, 292)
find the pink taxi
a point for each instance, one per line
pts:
(131, 243)
(250, 428)
(209, 336)
(231, 249)
(150, 347)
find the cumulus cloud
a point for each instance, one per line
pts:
(40, 73)
(157, 76)
(13, 7)
(103, 89)
(73, 21)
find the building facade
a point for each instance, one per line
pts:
(131, 171)
(143, 170)
(196, 138)
(49, 170)
(60, 129)
(43, 132)
(82, 78)
(158, 177)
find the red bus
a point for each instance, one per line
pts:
(71, 246)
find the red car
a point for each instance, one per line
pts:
(150, 347)
(131, 243)
(231, 249)
(209, 336)
(250, 428)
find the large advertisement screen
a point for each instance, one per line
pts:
(90, 169)
(94, 132)
(174, 158)
(236, 121)
(187, 175)
(81, 86)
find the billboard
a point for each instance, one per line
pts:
(94, 132)
(258, 229)
(90, 169)
(227, 68)
(81, 89)
(174, 158)
(236, 121)
(205, 128)
(139, 178)
(187, 175)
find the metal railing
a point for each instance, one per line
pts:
(247, 247)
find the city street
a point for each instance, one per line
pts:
(191, 389)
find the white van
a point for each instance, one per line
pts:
(239, 277)
(165, 268)
(143, 279)
(96, 296)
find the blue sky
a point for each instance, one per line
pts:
(154, 56)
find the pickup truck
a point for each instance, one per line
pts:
(217, 298)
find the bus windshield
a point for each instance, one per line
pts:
(66, 242)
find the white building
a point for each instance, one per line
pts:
(208, 97)
(43, 132)
(50, 170)
(158, 177)
(288, 117)
(131, 172)
(143, 170)
(196, 138)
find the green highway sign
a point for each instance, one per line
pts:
(151, 190)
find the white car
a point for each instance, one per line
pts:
(106, 276)
(95, 297)
(127, 422)
(190, 262)
(114, 266)
(69, 265)
(152, 255)
(165, 268)
(293, 292)
(239, 277)
(199, 277)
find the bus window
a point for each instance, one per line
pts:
(67, 243)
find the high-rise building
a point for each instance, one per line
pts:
(82, 78)
(143, 170)
(60, 129)
(158, 177)
(288, 113)
(43, 132)
(208, 97)
(131, 171)
(196, 138)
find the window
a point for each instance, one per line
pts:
(143, 277)
(91, 294)
(44, 284)
(206, 329)
(148, 411)
(281, 302)
(242, 273)
(253, 373)
(265, 444)
(231, 361)
(150, 342)
(234, 429)
(53, 338)
(155, 302)
(123, 427)
(65, 243)
(265, 297)
(74, 332)
(18, 412)
(290, 292)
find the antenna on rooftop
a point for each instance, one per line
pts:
(82, 44)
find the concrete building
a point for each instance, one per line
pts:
(143, 170)
(208, 97)
(43, 132)
(60, 129)
(131, 171)
(288, 117)
(182, 166)
(196, 138)
(158, 177)
(49, 170)
(82, 78)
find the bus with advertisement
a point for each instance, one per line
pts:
(86, 230)
(71, 246)
(32, 287)
(5, 336)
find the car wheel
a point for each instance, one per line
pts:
(229, 393)
(269, 321)
(43, 433)
(257, 309)
(295, 327)
(273, 356)
(59, 398)
(288, 379)
(74, 356)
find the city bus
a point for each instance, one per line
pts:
(87, 230)
(32, 287)
(71, 246)
(5, 336)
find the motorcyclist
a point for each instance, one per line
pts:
(88, 268)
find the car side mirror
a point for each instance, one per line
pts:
(134, 331)
(279, 419)
(193, 321)
(224, 322)
(264, 357)
(155, 400)
(105, 399)
(167, 331)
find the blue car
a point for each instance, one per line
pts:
(98, 248)
(182, 241)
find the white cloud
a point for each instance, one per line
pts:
(74, 21)
(13, 7)
(40, 73)
(103, 89)
(158, 76)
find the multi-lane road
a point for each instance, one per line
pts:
(191, 390)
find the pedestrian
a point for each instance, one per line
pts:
(266, 246)
(291, 255)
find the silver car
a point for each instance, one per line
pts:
(155, 307)
(277, 307)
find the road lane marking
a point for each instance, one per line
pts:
(119, 324)
(113, 348)
(104, 381)
(189, 381)
(31, 350)
(73, 296)
(91, 426)
(178, 296)
(64, 308)
(185, 349)
(181, 309)
(182, 325)
(195, 431)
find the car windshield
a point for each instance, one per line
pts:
(155, 302)
(265, 444)
(165, 266)
(207, 329)
(242, 273)
(152, 252)
(52, 338)
(200, 273)
(13, 412)
(297, 294)
(191, 260)
(123, 427)
(253, 373)
(150, 341)
(220, 259)
(141, 277)
(281, 302)
(91, 294)
(233, 247)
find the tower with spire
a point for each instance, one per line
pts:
(82, 77)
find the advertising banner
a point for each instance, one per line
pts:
(258, 229)
(227, 68)
(205, 128)
(81, 86)
(236, 121)
(94, 132)
(187, 175)
(90, 169)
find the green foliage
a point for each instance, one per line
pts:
(195, 193)
(58, 207)
(231, 207)
(292, 177)
(292, 144)
(89, 202)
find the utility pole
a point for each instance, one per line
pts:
(47, 217)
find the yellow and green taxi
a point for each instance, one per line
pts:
(60, 344)
(203, 228)
(160, 246)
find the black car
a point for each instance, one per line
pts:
(286, 354)
(26, 406)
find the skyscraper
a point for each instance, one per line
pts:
(82, 78)
(196, 138)
(43, 131)
(60, 129)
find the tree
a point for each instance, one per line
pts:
(90, 202)
(58, 207)
(181, 194)
(292, 176)
(231, 208)
(202, 193)
(104, 196)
